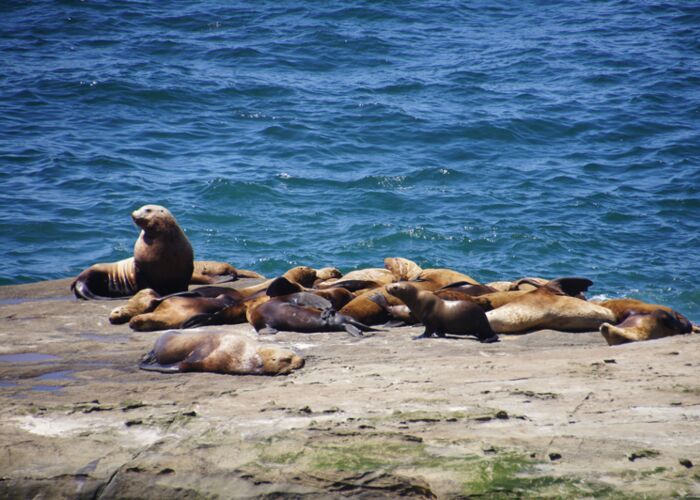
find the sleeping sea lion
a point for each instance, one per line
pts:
(163, 260)
(219, 353)
(550, 307)
(276, 315)
(638, 326)
(209, 272)
(443, 316)
(402, 269)
(432, 279)
(176, 310)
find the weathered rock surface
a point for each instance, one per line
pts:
(543, 414)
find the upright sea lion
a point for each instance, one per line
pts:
(638, 326)
(443, 316)
(220, 353)
(549, 307)
(163, 260)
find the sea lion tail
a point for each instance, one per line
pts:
(150, 363)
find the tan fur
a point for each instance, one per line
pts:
(622, 307)
(233, 354)
(437, 278)
(646, 326)
(173, 311)
(328, 273)
(402, 269)
(378, 276)
(144, 301)
(542, 309)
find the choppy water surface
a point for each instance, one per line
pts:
(527, 139)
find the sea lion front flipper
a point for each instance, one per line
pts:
(353, 330)
(198, 320)
(150, 364)
(268, 330)
(424, 335)
(394, 323)
(82, 291)
(490, 340)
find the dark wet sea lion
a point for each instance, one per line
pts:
(440, 316)
(276, 315)
(233, 354)
(163, 260)
(640, 326)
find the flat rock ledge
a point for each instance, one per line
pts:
(547, 414)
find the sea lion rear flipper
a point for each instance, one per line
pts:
(268, 330)
(569, 286)
(353, 330)
(82, 291)
(149, 363)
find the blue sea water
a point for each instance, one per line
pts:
(502, 139)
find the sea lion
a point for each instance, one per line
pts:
(639, 326)
(443, 316)
(402, 269)
(360, 279)
(209, 272)
(400, 314)
(276, 315)
(163, 260)
(432, 279)
(219, 353)
(624, 307)
(175, 311)
(549, 307)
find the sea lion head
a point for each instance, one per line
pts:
(646, 326)
(277, 361)
(328, 273)
(401, 290)
(153, 218)
(303, 275)
(143, 302)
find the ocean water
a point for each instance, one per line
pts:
(530, 138)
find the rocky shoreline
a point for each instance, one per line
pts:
(542, 414)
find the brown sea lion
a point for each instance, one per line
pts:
(277, 315)
(360, 279)
(175, 310)
(443, 316)
(365, 309)
(209, 272)
(232, 354)
(624, 307)
(328, 273)
(163, 260)
(550, 307)
(432, 279)
(400, 314)
(639, 326)
(402, 269)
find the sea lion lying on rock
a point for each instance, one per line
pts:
(209, 272)
(549, 307)
(443, 316)
(639, 326)
(163, 260)
(232, 354)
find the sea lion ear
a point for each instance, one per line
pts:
(282, 286)
(569, 286)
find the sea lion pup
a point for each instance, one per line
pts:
(402, 269)
(550, 307)
(163, 260)
(443, 316)
(639, 326)
(219, 353)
